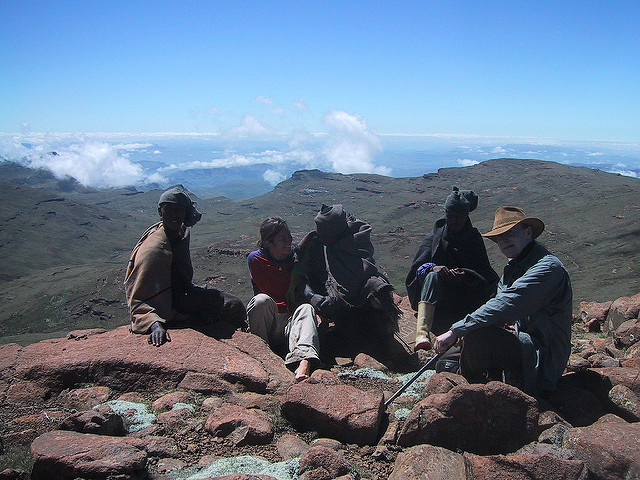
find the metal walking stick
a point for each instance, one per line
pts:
(424, 368)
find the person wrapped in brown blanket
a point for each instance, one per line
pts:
(159, 279)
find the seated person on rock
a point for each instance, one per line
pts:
(450, 275)
(340, 278)
(534, 295)
(158, 281)
(272, 314)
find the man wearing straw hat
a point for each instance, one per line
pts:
(534, 295)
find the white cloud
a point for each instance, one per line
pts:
(157, 178)
(498, 150)
(132, 146)
(271, 105)
(300, 105)
(626, 173)
(91, 164)
(303, 158)
(351, 146)
(467, 162)
(273, 177)
(250, 127)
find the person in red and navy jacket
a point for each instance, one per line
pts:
(269, 314)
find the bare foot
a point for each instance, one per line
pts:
(303, 371)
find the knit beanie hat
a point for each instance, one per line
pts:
(179, 195)
(461, 201)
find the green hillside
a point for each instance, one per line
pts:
(64, 248)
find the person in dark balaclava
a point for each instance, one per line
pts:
(159, 278)
(450, 274)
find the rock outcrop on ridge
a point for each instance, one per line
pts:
(219, 404)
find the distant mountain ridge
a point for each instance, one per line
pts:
(65, 247)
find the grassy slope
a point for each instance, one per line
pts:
(70, 263)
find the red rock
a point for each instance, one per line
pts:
(84, 398)
(8, 356)
(525, 467)
(324, 376)
(204, 383)
(125, 362)
(159, 446)
(632, 357)
(428, 461)
(390, 434)
(621, 310)
(594, 311)
(83, 334)
(167, 401)
(38, 421)
(63, 454)
(12, 474)
(242, 476)
(633, 351)
(483, 419)
(608, 452)
(168, 465)
(22, 392)
(633, 363)
(22, 437)
(326, 458)
(100, 421)
(549, 418)
(255, 400)
(576, 362)
(628, 333)
(363, 360)
(627, 402)
(211, 403)
(592, 325)
(601, 360)
(244, 427)
(174, 417)
(443, 382)
(331, 443)
(338, 411)
(133, 397)
(290, 446)
(606, 346)
(587, 352)
(621, 376)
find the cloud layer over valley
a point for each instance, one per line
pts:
(251, 151)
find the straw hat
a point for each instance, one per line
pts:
(508, 217)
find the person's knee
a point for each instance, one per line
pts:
(431, 287)
(305, 309)
(261, 301)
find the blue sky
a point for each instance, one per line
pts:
(564, 69)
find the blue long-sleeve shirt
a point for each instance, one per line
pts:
(535, 294)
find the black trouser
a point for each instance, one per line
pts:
(488, 352)
(212, 303)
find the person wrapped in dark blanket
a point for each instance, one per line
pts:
(337, 273)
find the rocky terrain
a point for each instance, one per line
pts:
(81, 397)
(214, 403)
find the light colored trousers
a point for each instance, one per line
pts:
(300, 329)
